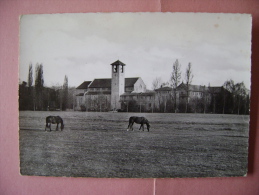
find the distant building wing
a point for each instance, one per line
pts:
(148, 93)
(164, 89)
(80, 94)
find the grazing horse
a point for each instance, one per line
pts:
(138, 120)
(54, 120)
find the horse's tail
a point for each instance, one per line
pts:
(62, 123)
(129, 124)
(147, 123)
(131, 121)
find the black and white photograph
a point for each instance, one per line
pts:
(134, 95)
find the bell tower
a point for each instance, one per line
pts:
(118, 84)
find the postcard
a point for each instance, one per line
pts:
(134, 95)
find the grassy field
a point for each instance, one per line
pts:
(98, 145)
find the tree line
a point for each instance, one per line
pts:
(36, 96)
(230, 98)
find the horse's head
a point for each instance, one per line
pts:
(62, 126)
(148, 126)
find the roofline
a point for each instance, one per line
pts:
(84, 82)
(199, 85)
(89, 86)
(111, 79)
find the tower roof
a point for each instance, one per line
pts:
(118, 62)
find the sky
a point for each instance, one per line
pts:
(82, 46)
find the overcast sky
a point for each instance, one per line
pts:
(82, 46)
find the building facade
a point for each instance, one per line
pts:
(79, 100)
(108, 93)
(131, 95)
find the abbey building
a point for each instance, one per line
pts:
(131, 95)
(109, 93)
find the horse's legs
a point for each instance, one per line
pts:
(141, 126)
(57, 127)
(49, 126)
(130, 126)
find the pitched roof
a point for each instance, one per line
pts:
(84, 85)
(101, 83)
(106, 83)
(118, 62)
(215, 89)
(197, 88)
(129, 82)
(201, 88)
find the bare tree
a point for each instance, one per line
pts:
(205, 96)
(175, 80)
(241, 95)
(229, 85)
(225, 86)
(71, 92)
(65, 94)
(159, 100)
(39, 86)
(238, 95)
(30, 78)
(157, 83)
(57, 87)
(188, 80)
(30, 89)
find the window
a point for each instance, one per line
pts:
(115, 68)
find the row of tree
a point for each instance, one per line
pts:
(39, 97)
(232, 98)
(175, 80)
